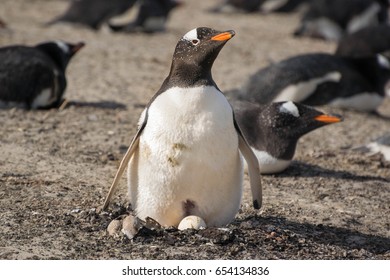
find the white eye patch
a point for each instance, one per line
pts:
(64, 47)
(191, 35)
(289, 108)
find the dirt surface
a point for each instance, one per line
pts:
(56, 166)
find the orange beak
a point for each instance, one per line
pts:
(328, 119)
(224, 36)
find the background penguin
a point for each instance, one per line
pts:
(152, 17)
(368, 41)
(380, 145)
(322, 79)
(282, 6)
(331, 19)
(93, 13)
(186, 156)
(247, 6)
(264, 6)
(34, 77)
(273, 130)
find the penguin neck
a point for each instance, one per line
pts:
(372, 71)
(190, 75)
(280, 147)
(56, 55)
(277, 142)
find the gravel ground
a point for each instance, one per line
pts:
(56, 166)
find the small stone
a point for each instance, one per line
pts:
(114, 227)
(152, 224)
(192, 222)
(92, 118)
(131, 225)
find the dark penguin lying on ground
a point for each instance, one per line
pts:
(331, 19)
(273, 130)
(380, 145)
(34, 77)
(365, 42)
(264, 6)
(93, 13)
(322, 79)
(152, 17)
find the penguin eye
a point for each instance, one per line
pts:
(195, 42)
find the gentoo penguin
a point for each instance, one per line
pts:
(34, 77)
(264, 6)
(322, 79)
(93, 13)
(228, 6)
(185, 158)
(152, 17)
(331, 19)
(380, 145)
(282, 6)
(368, 41)
(273, 130)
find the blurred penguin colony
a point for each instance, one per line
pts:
(275, 105)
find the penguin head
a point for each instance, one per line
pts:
(59, 51)
(292, 120)
(201, 46)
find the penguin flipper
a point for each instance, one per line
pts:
(253, 168)
(122, 166)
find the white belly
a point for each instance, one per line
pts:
(366, 102)
(302, 90)
(43, 99)
(188, 161)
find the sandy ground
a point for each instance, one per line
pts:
(56, 166)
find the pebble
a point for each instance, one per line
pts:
(131, 225)
(114, 227)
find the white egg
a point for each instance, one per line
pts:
(192, 222)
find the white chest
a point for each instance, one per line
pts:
(43, 99)
(196, 117)
(269, 164)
